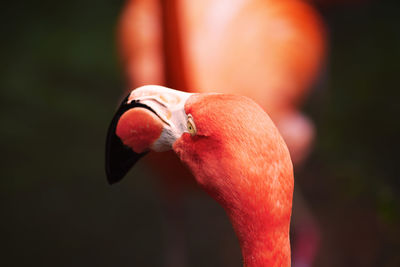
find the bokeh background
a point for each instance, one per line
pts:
(60, 84)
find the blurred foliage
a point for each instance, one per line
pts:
(353, 176)
(60, 83)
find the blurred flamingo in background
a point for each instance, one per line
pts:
(268, 50)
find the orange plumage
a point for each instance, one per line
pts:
(240, 159)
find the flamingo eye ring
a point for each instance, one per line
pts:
(191, 126)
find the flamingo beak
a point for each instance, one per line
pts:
(147, 111)
(120, 158)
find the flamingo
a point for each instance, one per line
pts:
(233, 149)
(268, 50)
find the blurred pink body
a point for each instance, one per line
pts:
(270, 51)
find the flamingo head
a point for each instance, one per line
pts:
(230, 145)
(228, 142)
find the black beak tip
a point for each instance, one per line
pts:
(113, 177)
(119, 158)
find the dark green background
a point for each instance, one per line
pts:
(60, 83)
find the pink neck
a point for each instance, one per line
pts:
(263, 241)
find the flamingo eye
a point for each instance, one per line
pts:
(191, 126)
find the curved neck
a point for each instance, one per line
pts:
(263, 241)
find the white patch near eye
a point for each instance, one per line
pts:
(169, 105)
(191, 126)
